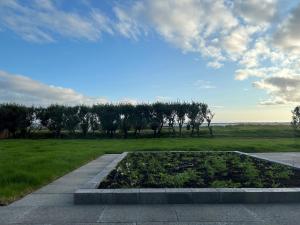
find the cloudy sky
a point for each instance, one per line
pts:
(241, 57)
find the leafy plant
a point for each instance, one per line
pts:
(196, 169)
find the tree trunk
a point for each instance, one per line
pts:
(154, 133)
(160, 128)
(180, 128)
(210, 129)
(135, 132)
(193, 127)
(125, 133)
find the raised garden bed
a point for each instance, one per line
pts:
(199, 170)
(191, 177)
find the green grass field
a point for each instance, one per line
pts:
(26, 165)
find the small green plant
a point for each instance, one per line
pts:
(196, 169)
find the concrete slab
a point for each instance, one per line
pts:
(291, 158)
(36, 200)
(268, 211)
(13, 215)
(156, 213)
(214, 213)
(106, 223)
(202, 223)
(119, 213)
(54, 215)
(57, 189)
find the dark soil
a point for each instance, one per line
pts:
(199, 170)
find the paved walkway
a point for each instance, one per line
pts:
(53, 204)
(291, 158)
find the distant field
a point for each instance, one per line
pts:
(26, 165)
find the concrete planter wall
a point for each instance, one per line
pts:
(90, 194)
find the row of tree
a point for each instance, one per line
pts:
(20, 120)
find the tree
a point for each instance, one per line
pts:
(140, 117)
(15, 118)
(84, 115)
(2, 118)
(158, 115)
(94, 121)
(52, 117)
(209, 116)
(27, 118)
(9, 117)
(109, 117)
(296, 117)
(126, 117)
(193, 111)
(42, 116)
(196, 114)
(71, 118)
(155, 125)
(170, 113)
(181, 111)
(19, 120)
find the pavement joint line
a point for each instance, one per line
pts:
(253, 213)
(101, 215)
(177, 217)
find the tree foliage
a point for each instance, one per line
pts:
(181, 110)
(296, 117)
(16, 118)
(110, 119)
(71, 118)
(84, 118)
(54, 119)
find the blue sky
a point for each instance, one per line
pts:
(240, 57)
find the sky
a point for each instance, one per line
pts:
(240, 57)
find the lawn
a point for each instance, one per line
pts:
(26, 165)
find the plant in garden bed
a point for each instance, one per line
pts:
(198, 169)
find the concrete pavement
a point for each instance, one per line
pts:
(53, 204)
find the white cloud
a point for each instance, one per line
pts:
(244, 32)
(184, 24)
(245, 73)
(215, 64)
(209, 28)
(256, 11)
(24, 90)
(236, 43)
(126, 24)
(217, 107)
(219, 30)
(162, 98)
(257, 53)
(282, 89)
(203, 84)
(273, 101)
(129, 101)
(42, 21)
(288, 33)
